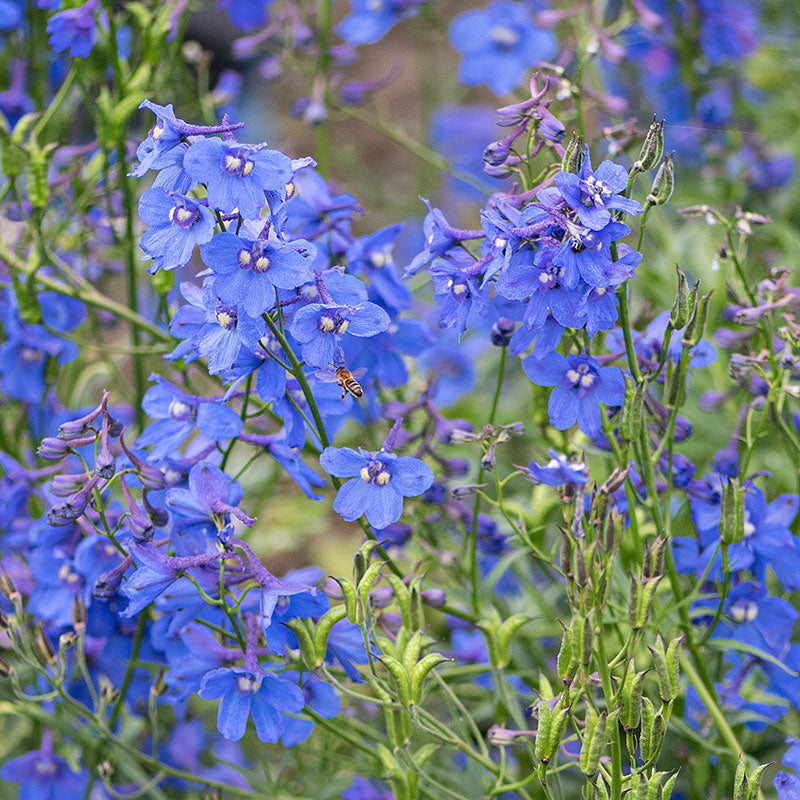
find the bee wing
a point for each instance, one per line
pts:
(359, 373)
(326, 375)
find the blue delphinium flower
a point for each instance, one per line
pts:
(559, 470)
(237, 175)
(212, 328)
(370, 20)
(581, 384)
(319, 696)
(10, 15)
(373, 254)
(74, 29)
(319, 326)
(178, 413)
(595, 193)
(177, 223)
(787, 786)
(380, 482)
(42, 775)
(457, 289)
(243, 693)
(499, 44)
(248, 270)
(586, 254)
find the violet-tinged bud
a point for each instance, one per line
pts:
(53, 449)
(573, 155)
(139, 523)
(66, 485)
(448, 431)
(107, 585)
(115, 427)
(455, 467)
(104, 465)
(498, 171)
(652, 148)
(663, 183)
(549, 127)
(159, 516)
(435, 598)
(496, 153)
(150, 476)
(502, 330)
(464, 491)
(381, 597)
(73, 507)
(436, 494)
(78, 428)
(787, 359)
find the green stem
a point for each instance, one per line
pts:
(138, 637)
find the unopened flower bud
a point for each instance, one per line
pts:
(78, 614)
(42, 646)
(66, 485)
(731, 524)
(435, 598)
(52, 449)
(502, 331)
(681, 308)
(7, 587)
(497, 152)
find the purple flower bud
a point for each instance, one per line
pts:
(150, 476)
(73, 507)
(496, 153)
(445, 428)
(502, 331)
(455, 467)
(381, 597)
(53, 449)
(435, 598)
(435, 495)
(66, 485)
(139, 524)
(549, 127)
(160, 516)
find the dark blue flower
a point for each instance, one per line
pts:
(499, 44)
(559, 470)
(787, 786)
(246, 14)
(380, 482)
(363, 789)
(244, 693)
(237, 175)
(177, 223)
(581, 384)
(595, 193)
(586, 254)
(249, 269)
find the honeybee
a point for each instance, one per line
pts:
(346, 380)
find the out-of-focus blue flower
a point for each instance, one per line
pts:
(581, 384)
(370, 20)
(363, 789)
(237, 175)
(10, 15)
(177, 223)
(42, 775)
(787, 786)
(380, 482)
(246, 14)
(728, 30)
(74, 29)
(499, 44)
(244, 693)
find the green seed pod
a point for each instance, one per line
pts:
(42, 647)
(545, 719)
(652, 148)
(629, 700)
(504, 635)
(361, 560)
(594, 742)
(403, 596)
(647, 739)
(641, 787)
(323, 629)
(675, 393)
(679, 315)
(573, 155)
(600, 789)
(663, 183)
(654, 558)
(731, 525)
(349, 595)
(740, 780)
(417, 612)
(666, 791)
(566, 553)
(581, 577)
(409, 652)
(644, 602)
(38, 186)
(401, 678)
(545, 689)
(308, 649)
(583, 646)
(422, 756)
(754, 783)
(364, 587)
(672, 658)
(163, 281)
(555, 734)
(420, 672)
(566, 663)
(697, 324)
